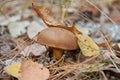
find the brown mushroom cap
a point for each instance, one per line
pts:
(58, 38)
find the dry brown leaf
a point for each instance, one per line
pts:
(48, 19)
(45, 14)
(33, 71)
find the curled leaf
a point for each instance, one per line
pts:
(48, 19)
(87, 45)
(45, 14)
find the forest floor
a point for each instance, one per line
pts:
(95, 25)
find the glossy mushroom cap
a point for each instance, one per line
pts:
(58, 38)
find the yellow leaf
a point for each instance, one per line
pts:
(87, 45)
(14, 69)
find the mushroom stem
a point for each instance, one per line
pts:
(57, 53)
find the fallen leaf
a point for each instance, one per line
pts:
(45, 14)
(87, 45)
(48, 19)
(33, 71)
(18, 28)
(14, 69)
(34, 28)
(36, 49)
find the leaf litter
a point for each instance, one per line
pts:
(100, 64)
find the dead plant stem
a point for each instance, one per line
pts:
(112, 53)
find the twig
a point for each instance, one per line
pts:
(61, 59)
(105, 78)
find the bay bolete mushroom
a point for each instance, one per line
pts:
(59, 39)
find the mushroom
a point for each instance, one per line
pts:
(59, 39)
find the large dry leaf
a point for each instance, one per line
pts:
(48, 19)
(33, 71)
(14, 69)
(45, 14)
(87, 45)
